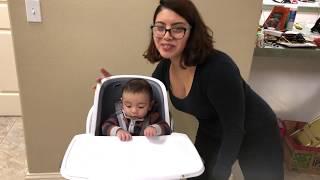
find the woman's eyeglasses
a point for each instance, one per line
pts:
(175, 32)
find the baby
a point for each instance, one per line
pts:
(135, 116)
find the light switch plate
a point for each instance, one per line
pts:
(33, 10)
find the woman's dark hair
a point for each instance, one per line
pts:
(200, 42)
(138, 85)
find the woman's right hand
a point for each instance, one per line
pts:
(104, 73)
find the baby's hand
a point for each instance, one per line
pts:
(124, 135)
(150, 131)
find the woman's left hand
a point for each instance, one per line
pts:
(104, 74)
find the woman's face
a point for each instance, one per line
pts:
(172, 43)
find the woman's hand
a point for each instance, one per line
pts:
(150, 131)
(124, 135)
(104, 73)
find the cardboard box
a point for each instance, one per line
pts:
(298, 157)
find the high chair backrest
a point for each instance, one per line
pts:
(109, 93)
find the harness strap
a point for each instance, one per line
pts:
(132, 123)
(120, 116)
(144, 126)
(131, 126)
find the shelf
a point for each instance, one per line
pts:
(288, 52)
(302, 6)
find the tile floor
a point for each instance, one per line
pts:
(12, 149)
(13, 158)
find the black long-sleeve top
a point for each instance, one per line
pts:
(225, 106)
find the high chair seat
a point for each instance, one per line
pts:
(109, 92)
(91, 156)
(107, 158)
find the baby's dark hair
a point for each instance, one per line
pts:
(138, 85)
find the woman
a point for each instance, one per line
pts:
(234, 122)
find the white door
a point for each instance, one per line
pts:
(9, 93)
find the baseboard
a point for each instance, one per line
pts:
(44, 176)
(10, 104)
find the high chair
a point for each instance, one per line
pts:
(91, 156)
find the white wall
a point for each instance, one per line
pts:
(58, 61)
(9, 95)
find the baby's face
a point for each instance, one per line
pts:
(136, 105)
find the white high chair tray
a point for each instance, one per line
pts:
(106, 157)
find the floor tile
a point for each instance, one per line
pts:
(293, 175)
(5, 126)
(12, 149)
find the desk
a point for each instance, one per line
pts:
(288, 79)
(106, 157)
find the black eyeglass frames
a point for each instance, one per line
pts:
(175, 32)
